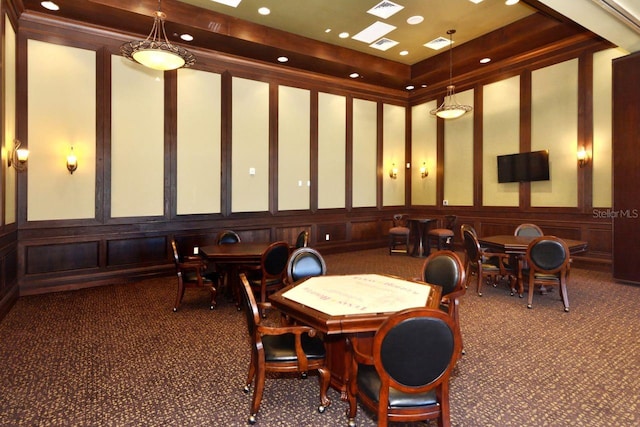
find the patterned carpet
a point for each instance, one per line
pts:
(118, 356)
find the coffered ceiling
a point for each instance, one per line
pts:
(307, 32)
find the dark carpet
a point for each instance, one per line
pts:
(118, 356)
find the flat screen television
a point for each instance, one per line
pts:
(524, 167)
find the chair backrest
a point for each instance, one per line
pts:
(274, 259)
(303, 239)
(444, 268)
(548, 254)
(469, 228)
(528, 230)
(471, 246)
(450, 221)
(415, 350)
(176, 254)
(400, 220)
(227, 236)
(251, 307)
(305, 262)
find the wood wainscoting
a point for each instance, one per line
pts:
(66, 258)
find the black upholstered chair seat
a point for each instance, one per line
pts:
(192, 276)
(369, 384)
(282, 348)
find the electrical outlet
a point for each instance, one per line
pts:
(196, 250)
(445, 203)
(252, 171)
(326, 237)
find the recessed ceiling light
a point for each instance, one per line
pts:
(423, 85)
(410, 87)
(328, 30)
(485, 60)
(354, 75)
(476, 1)
(415, 20)
(50, 5)
(511, 2)
(186, 37)
(343, 35)
(283, 59)
(404, 53)
(264, 11)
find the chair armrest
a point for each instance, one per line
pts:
(193, 265)
(359, 355)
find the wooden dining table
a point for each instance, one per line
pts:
(419, 228)
(231, 257)
(343, 305)
(517, 246)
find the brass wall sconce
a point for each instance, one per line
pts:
(18, 157)
(583, 157)
(72, 162)
(393, 172)
(423, 170)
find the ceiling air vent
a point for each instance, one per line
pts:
(438, 43)
(385, 9)
(383, 44)
(623, 10)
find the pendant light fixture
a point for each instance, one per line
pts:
(450, 109)
(156, 51)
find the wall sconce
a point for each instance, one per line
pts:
(18, 156)
(583, 157)
(393, 172)
(423, 170)
(72, 162)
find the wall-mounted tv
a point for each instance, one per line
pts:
(524, 167)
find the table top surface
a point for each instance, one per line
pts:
(420, 219)
(513, 243)
(337, 304)
(235, 250)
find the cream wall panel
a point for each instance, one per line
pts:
(331, 151)
(458, 156)
(393, 153)
(365, 153)
(554, 126)
(501, 135)
(61, 114)
(294, 149)
(602, 127)
(250, 146)
(424, 149)
(198, 145)
(9, 119)
(137, 139)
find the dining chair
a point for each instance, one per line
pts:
(303, 263)
(548, 261)
(192, 273)
(268, 277)
(406, 375)
(445, 269)
(226, 237)
(302, 241)
(528, 230)
(291, 348)
(492, 269)
(399, 235)
(485, 253)
(442, 236)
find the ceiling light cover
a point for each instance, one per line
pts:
(156, 51)
(450, 109)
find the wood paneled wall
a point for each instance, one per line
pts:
(47, 256)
